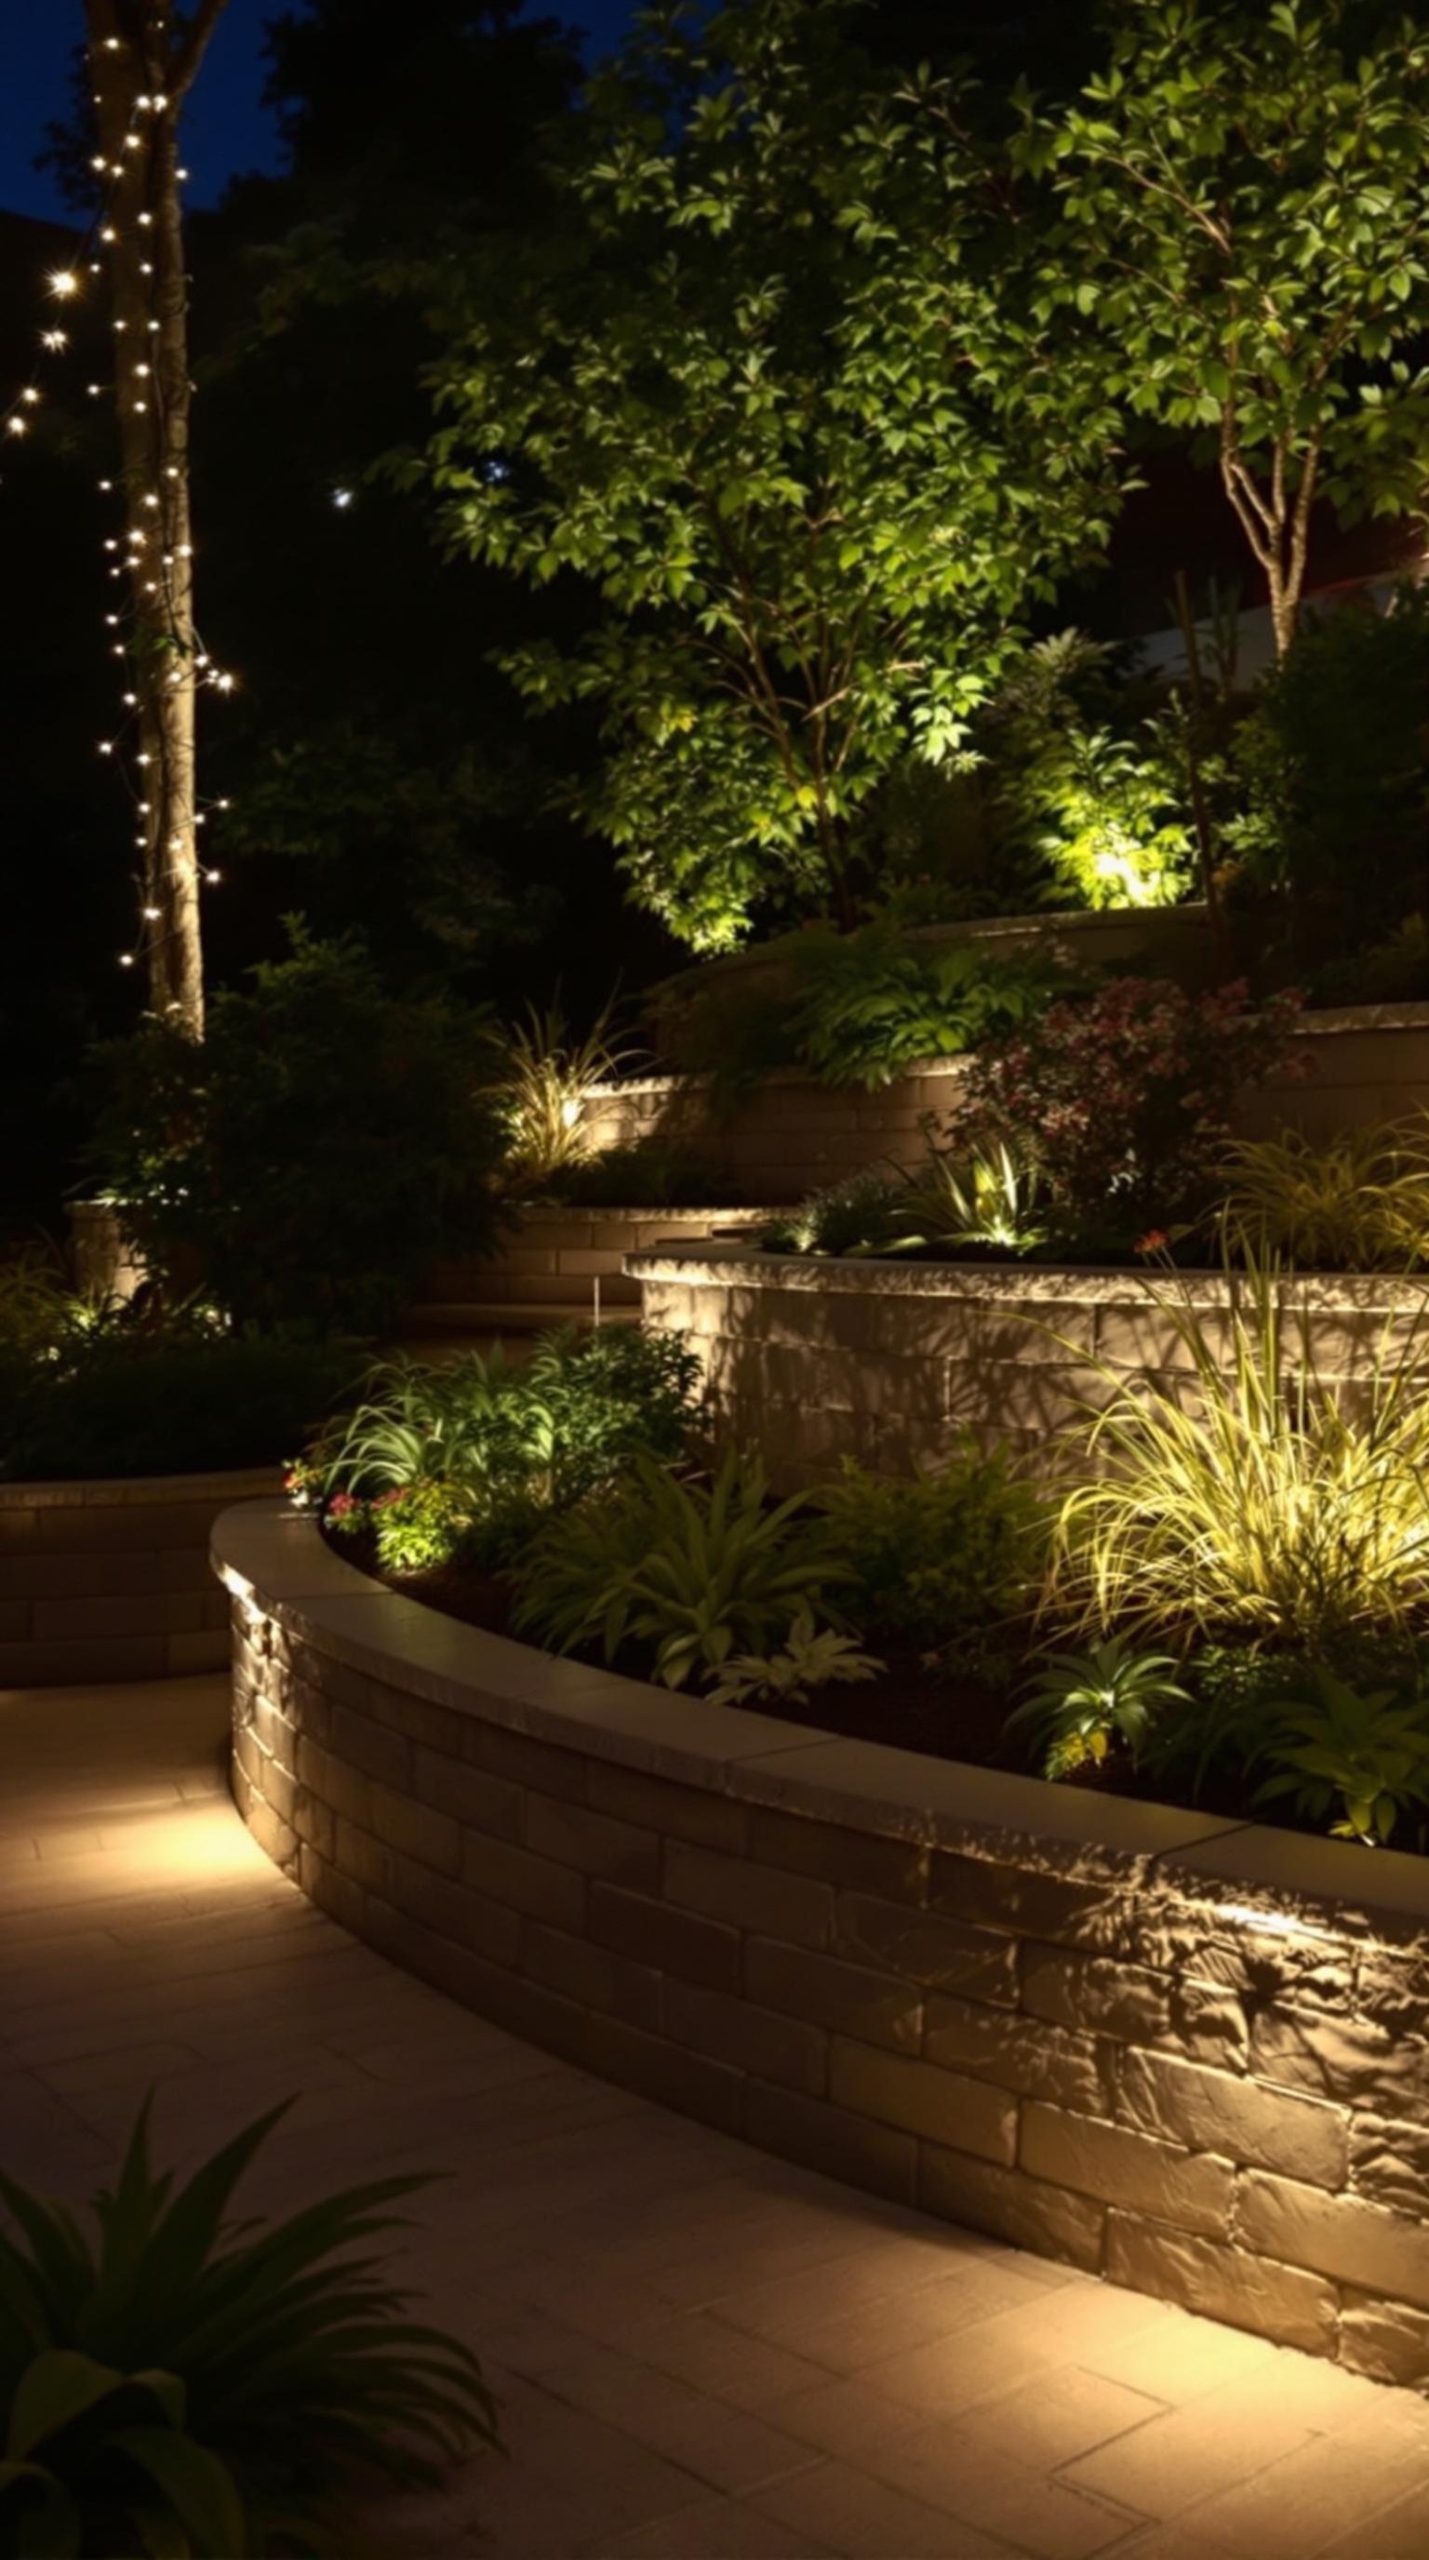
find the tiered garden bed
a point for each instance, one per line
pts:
(1189, 2053)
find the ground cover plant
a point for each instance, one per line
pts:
(175, 2382)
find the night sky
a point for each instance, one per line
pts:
(225, 128)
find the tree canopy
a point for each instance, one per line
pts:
(770, 391)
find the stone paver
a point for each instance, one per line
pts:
(702, 2354)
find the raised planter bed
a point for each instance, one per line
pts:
(1366, 1064)
(110, 1580)
(886, 1362)
(1189, 2054)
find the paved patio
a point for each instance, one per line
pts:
(702, 2354)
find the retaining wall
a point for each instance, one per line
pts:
(1186, 2054)
(1351, 1069)
(813, 1361)
(111, 1580)
(557, 1255)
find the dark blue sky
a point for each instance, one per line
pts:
(225, 128)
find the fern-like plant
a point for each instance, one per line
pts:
(694, 1572)
(179, 2385)
(809, 1658)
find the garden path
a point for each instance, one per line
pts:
(702, 2354)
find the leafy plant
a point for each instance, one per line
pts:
(123, 1391)
(1251, 1497)
(858, 1215)
(810, 1658)
(988, 1199)
(1081, 1703)
(696, 1572)
(1358, 1203)
(178, 2384)
(467, 1454)
(1102, 807)
(547, 1077)
(1124, 1100)
(865, 1007)
(937, 1560)
(314, 1153)
(1366, 1751)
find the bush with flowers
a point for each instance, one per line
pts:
(1124, 1100)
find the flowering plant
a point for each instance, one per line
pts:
(1125, 1099)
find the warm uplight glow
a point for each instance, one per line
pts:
(63, 283)
(1275, 1924)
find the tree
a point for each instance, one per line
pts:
(769, 393)
(1244, 213)
(143, 63)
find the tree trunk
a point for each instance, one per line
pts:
(142, 67)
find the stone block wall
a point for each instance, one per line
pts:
(887, 1362)
(1189, 2055)
(1350, 1069)
(111, 1580)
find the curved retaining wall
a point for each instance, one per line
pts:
(1188, 2054)
(549, 1270)
(813, 1361)
(110, 1580)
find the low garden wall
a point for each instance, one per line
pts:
(1187, 2054)
(110, 1580)
(1353, 1068)
(812, 1361)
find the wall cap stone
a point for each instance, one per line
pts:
(233, 1484)
(275, 1560)
(732, 1266)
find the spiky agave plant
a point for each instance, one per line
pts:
(1257, 1498)
(178, 2385)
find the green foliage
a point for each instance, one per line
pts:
(466, 1456)
(1080, 1704)
(178, 2384)
(1332, 767)
(723, 400)
(1358, 1203)
(1365, 1751)
(655, 1172)
(118, 1392)
(992, 1199)
(811, 1657)
(858, 1215)
(938, 1560)
(1253, 1498)
(314, 1154)
(1243, 197)
(548, 1075)
(1102, 807)
(692, 1572)
(865, 1007)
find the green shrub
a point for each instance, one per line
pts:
(938, 1560)
(1080, 1704)
(122, 1397)
(1363, 1751)
(1086, 783)
(179, 2384)
(476, 1451)
(695, 1573)
(1333, 767)
(858, 1215)
(1251, 1499)
(315, 1153)
(811, 1657)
